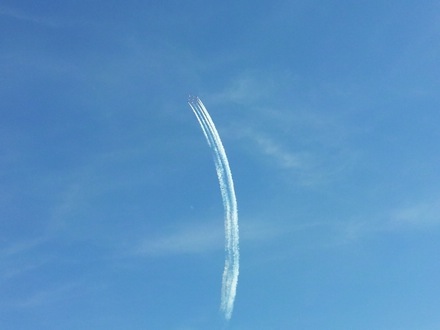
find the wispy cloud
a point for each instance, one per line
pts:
(19, 247)
(206, 237)
(246, 88)
(280, 154)
(306, 166)
(12, 270)
(19, 257)
(420, 215)
(46, 296)
(27, 17)
(254, 88)
(195, 239)
(291, 133)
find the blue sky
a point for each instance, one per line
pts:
(110, 210)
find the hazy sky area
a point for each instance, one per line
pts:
(110, 211)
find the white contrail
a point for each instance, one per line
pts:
(230, 273)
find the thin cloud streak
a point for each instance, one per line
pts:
(231, 270)
(420, 215)
(22, 16)
(204, 238)
(199, 239)
(285, 158)
(48, 296)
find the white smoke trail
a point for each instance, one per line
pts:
(230, 273)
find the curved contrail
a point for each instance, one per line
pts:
(230, 273)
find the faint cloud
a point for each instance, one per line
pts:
(291, 132)
(44, 297)
(243, 89)
(421, 215)
(261, 231)
(255, 87)
(18, 258)
(269, 147)
(196, 239)
(69, 201)
(353, 230)
(23, 16)
(203, 238)
(15, 248)
(306, 166)
(11, 271)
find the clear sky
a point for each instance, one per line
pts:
(110, 210)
